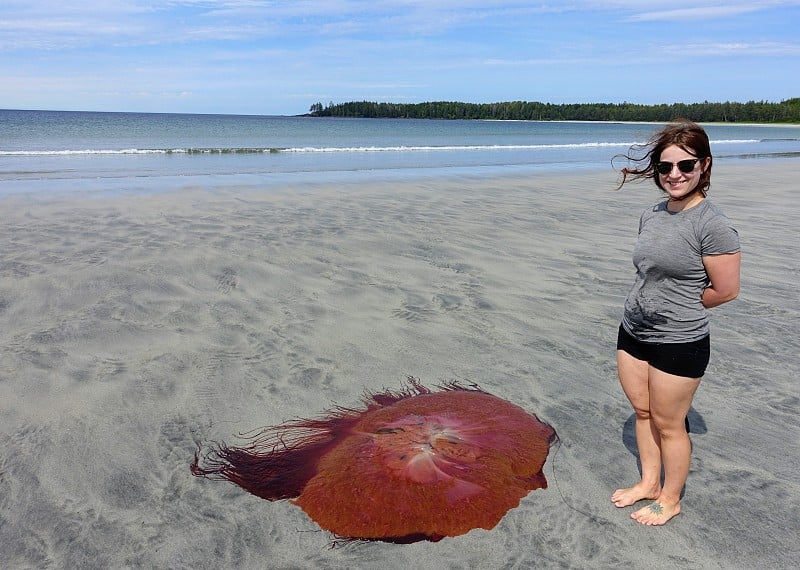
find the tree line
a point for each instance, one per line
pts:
(787, 111)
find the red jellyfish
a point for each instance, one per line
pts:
(413, 465)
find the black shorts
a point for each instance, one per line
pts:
(688, 359)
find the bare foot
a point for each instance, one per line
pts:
(656, 514)
(627, 497)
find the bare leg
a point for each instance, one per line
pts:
(670, 399)
(634, 376)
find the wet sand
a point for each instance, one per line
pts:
(136, 328)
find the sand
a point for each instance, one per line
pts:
(136, 328)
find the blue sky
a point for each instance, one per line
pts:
(279, 57)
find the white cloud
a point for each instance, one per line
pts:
(49, 24)
(677, 10)
(692, 14)
(735, 49)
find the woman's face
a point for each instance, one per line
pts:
(675, 182)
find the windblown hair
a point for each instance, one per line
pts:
(679, 132)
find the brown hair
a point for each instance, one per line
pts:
(680, 132)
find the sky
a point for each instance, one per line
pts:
(279, 57)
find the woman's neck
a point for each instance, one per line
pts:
(690, 200)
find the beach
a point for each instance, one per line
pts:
(138, 328)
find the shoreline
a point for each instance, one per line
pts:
(44, 190)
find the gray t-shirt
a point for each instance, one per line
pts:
(664, 304)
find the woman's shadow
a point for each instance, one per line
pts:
(695, 424)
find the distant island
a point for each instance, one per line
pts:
(787, 111)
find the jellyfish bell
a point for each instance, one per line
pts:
(412, 465)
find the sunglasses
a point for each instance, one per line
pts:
(685, 166)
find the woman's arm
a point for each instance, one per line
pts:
(723, 272)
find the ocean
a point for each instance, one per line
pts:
(66, 151)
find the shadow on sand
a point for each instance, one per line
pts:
(695, 424)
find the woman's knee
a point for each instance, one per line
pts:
(669, 427)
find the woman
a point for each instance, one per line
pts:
(687, 260)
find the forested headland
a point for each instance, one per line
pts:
(787, 111)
